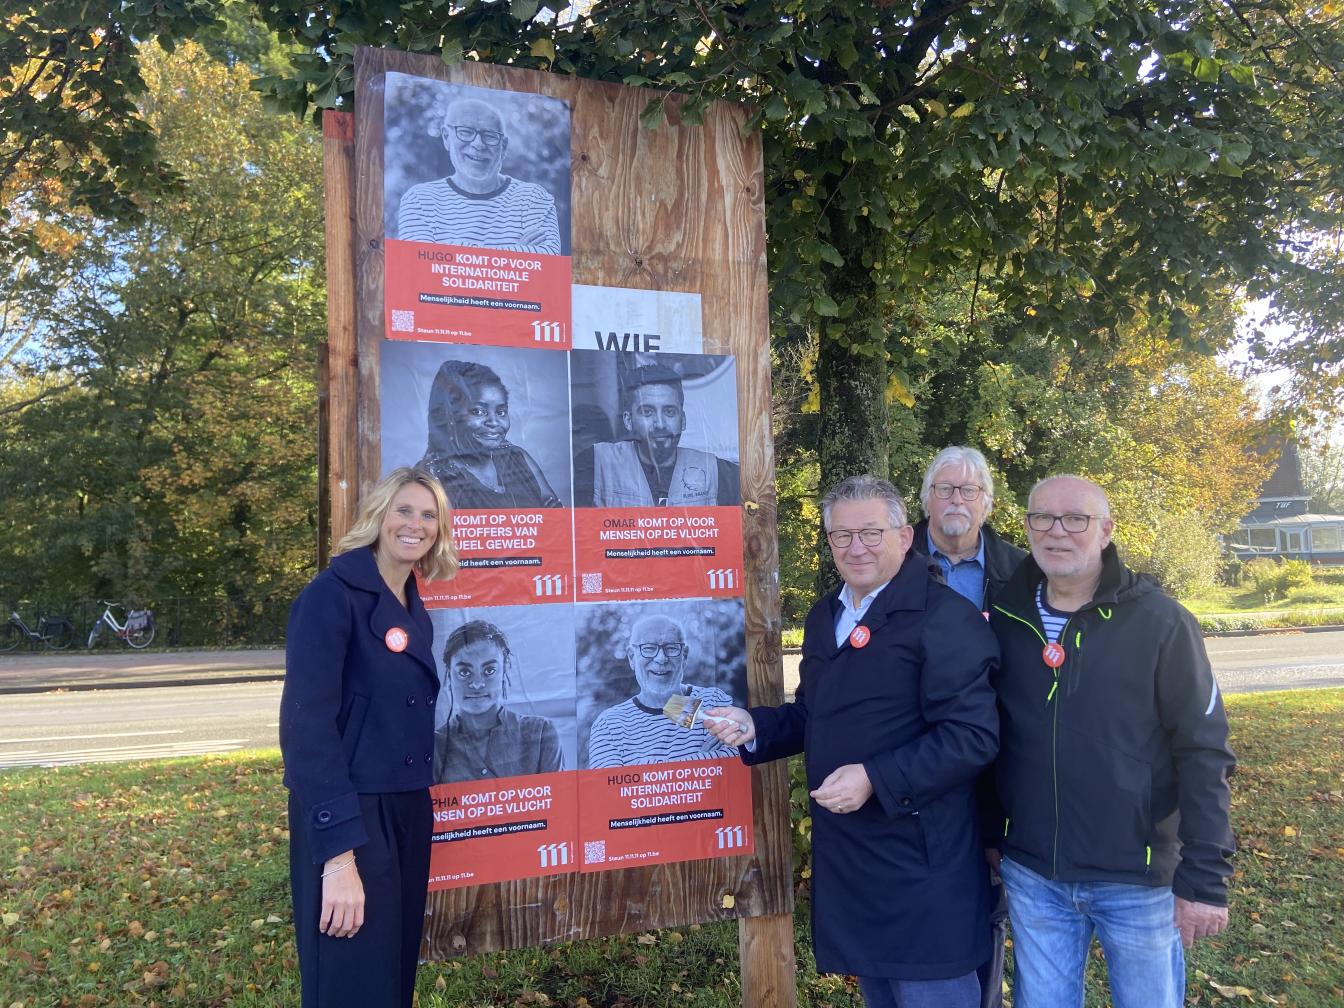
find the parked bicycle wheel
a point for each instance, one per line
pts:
(141, 636)
(9, 637)
(95, 632)
(60, 634)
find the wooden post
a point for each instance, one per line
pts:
(341, 372)
(765, 948)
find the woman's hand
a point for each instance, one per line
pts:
(342, 911)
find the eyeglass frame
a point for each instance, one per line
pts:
(851, 533)
(975, 488)
(1087, 521)
(664, 648)
(475, 132)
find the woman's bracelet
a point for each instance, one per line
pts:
(340, 867)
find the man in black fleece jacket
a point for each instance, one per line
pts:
(1113, 766)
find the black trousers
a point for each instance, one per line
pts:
(376, 967)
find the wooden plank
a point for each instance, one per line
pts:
(340, 379)
(765, 948)
(680, 209)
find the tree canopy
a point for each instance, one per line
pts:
(157, 423)
(1026, 226)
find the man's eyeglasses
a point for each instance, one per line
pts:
(1039, 521)
(467, 134)
(841, 538)
(672, 650)
(943, 491)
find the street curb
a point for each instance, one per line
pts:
(1264, 631)
(87, 686)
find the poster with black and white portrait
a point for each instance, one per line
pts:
(476, 214)
(656, 785)
(657, 483)
(505, 742)
(491, 423)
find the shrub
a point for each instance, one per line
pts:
(1296, 574)
(1184, 555)
(1272, 580)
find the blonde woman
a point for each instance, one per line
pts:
(357, 734)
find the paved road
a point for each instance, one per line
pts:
(1267, 661)
(102, 725)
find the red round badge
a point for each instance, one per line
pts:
(860, 636)
(396, 639)
(1053, 655)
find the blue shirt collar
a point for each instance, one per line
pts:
(939, 555)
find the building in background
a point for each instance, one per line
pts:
(1282, 525)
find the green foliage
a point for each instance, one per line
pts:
(1185, 555)
(70, 77)
(1273, 579)
(156, 427)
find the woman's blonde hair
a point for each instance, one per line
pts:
(440, 563)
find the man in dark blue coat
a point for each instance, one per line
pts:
(897, 719)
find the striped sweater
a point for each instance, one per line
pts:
(518, 216)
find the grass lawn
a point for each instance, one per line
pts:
(164, 884)
(1326, 591)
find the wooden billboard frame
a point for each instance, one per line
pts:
(676, 208)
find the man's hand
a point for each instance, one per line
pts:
(342, 912)
(730, 725)
(1198, 920)
(994, 856)
(845, 790)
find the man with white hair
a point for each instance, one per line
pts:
(1113, 767)
(957, 495)
(478, 205)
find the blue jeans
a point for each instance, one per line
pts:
(885, 992)
(1053, 924)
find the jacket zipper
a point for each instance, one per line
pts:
(1054, 731)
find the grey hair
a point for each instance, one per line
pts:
(1100, 493)
(959, 455)
(649, 618)
(861, 488)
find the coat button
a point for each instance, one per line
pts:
(429, 758)
(323, 817)
(410, 700)
(430, 700)
(905, 801)
(410, 760)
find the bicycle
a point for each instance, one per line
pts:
(137, 631)
(54, 632)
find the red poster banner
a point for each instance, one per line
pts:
(503, 829)
(507, 558)
(667, 552)
(664, 812)
(460, 294)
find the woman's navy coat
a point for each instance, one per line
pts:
(355, 717)
(900, 888)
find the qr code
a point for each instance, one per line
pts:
(594, 851)
(592, 584)
(403, 321)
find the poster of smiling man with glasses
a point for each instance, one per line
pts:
(476, 207)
